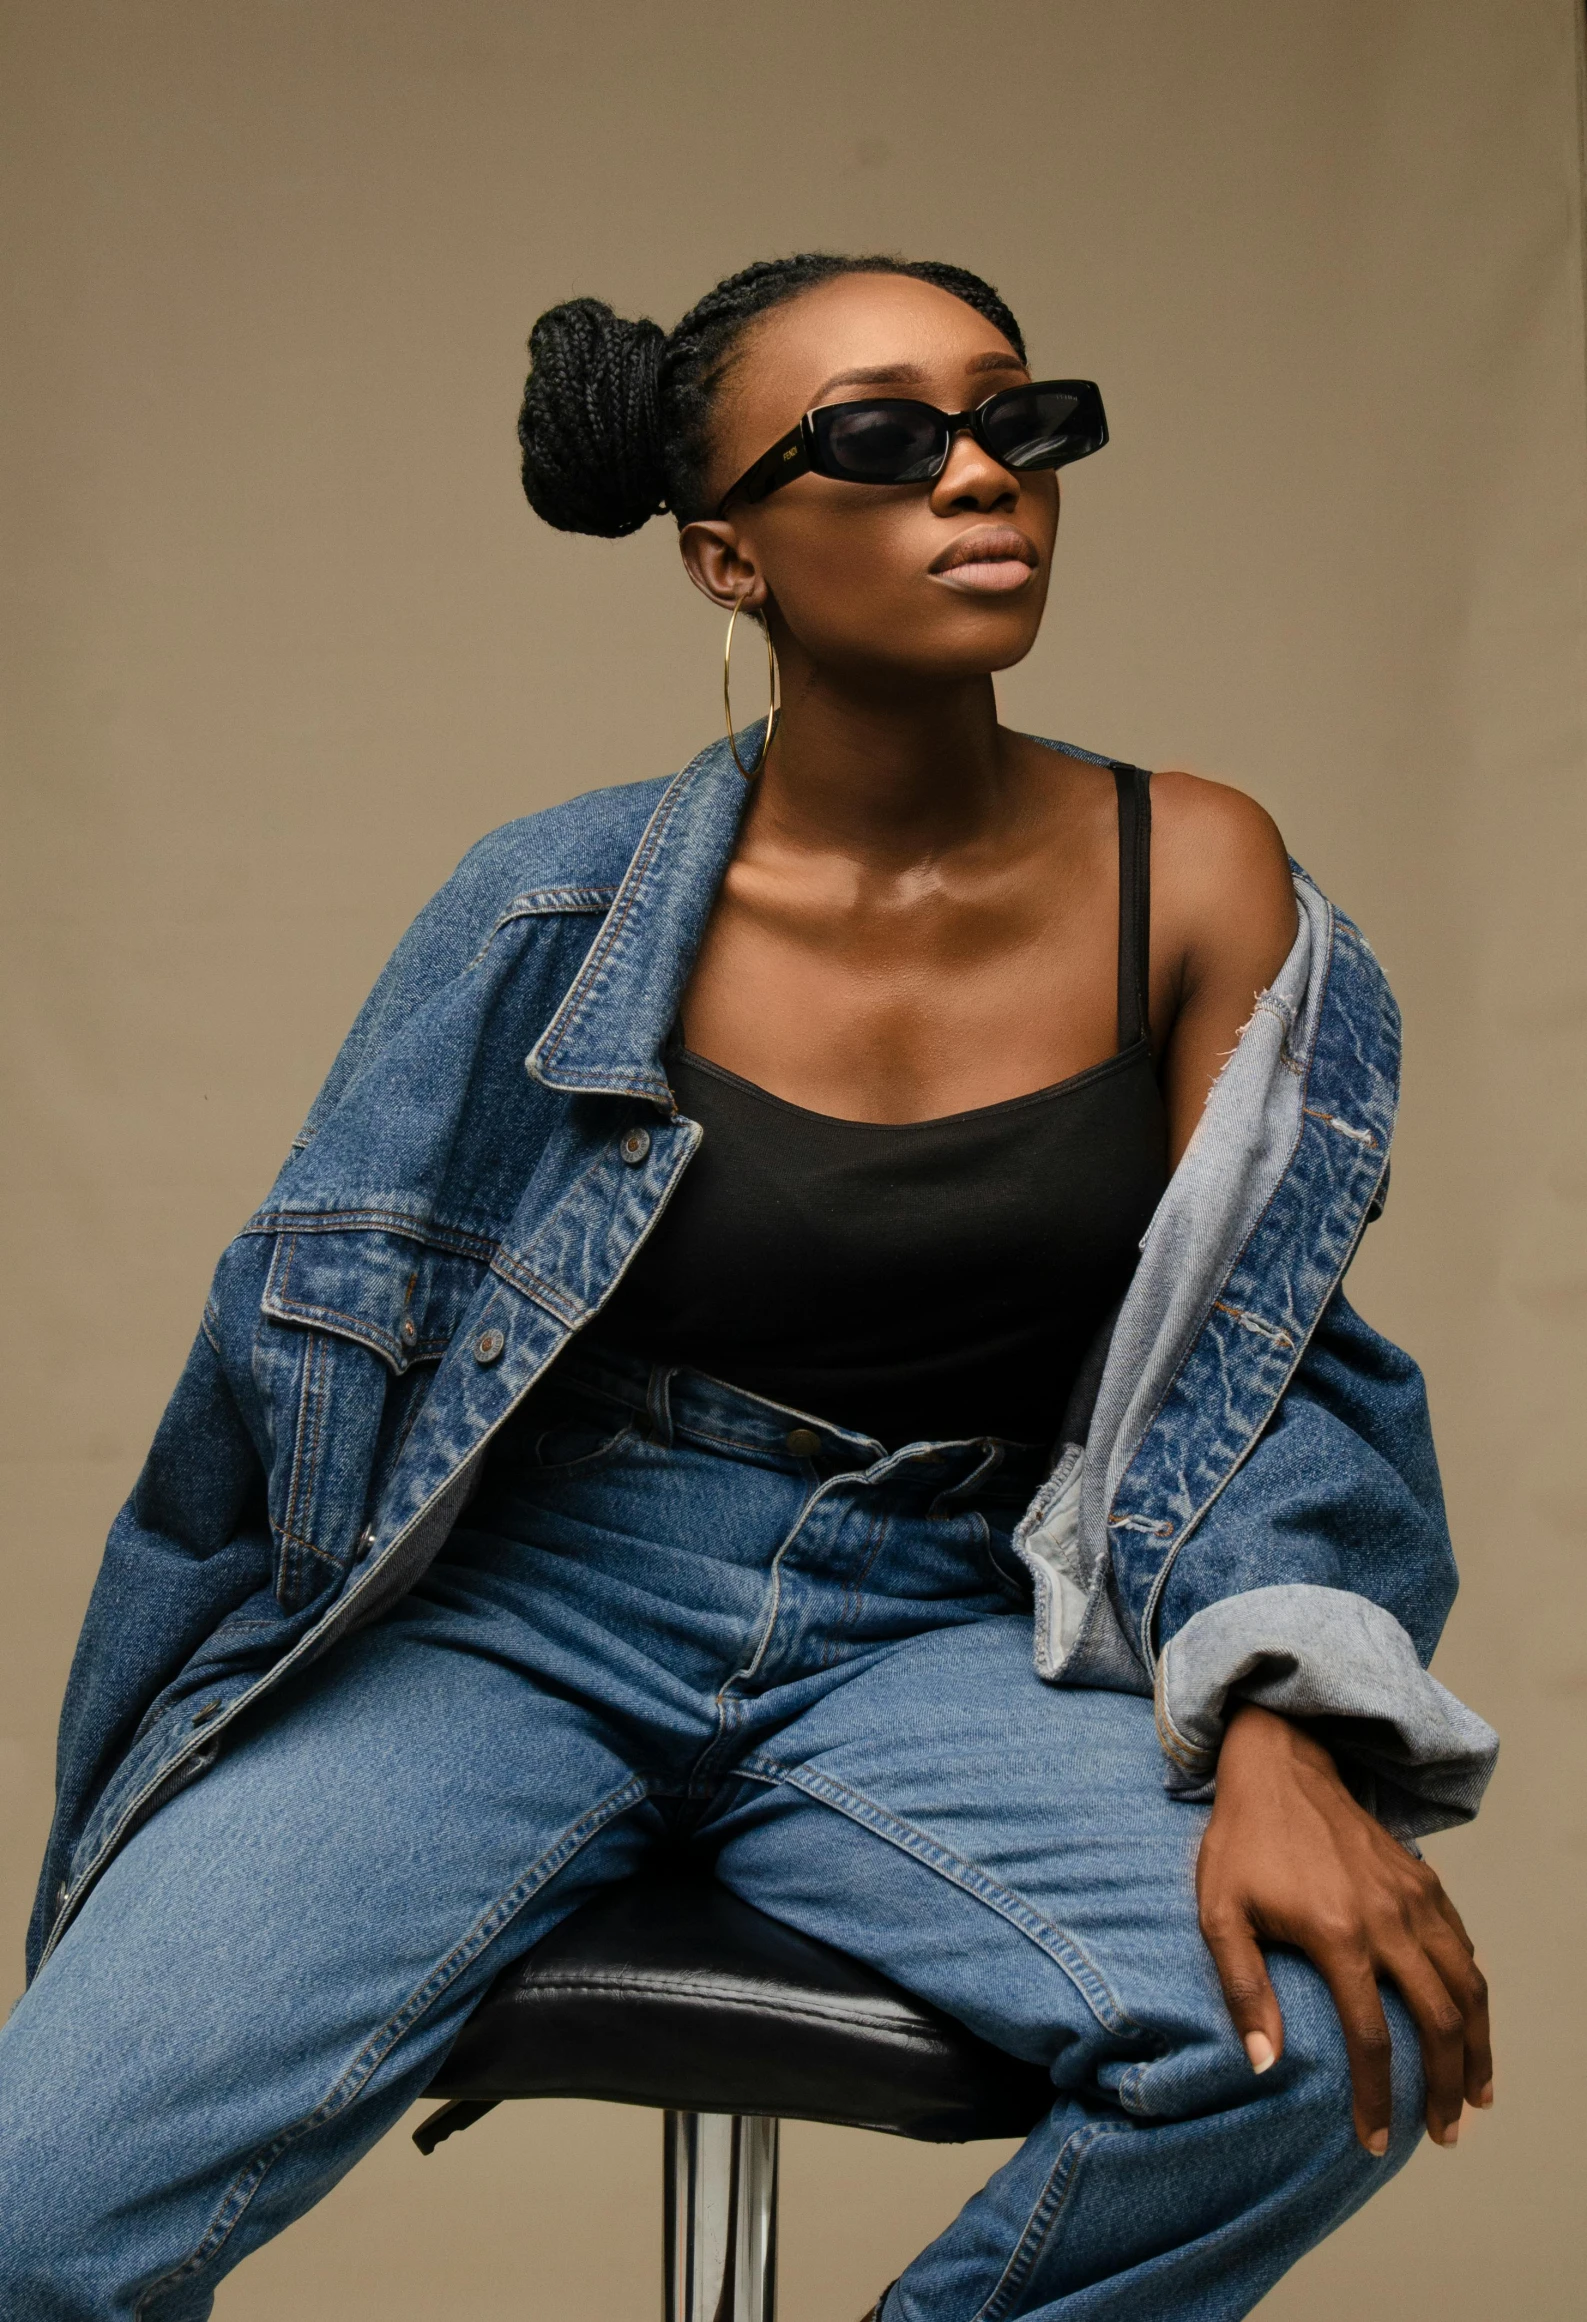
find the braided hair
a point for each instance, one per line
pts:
(616, 418)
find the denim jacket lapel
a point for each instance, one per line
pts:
(609, 1032)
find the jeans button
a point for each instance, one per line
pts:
(635, 1147)
(490, 1346)
(803, 1442)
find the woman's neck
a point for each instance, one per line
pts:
(891, 772)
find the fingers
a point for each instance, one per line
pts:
(1467, 1987)
(1441, 1931)
(1445, 1908)
(1441, 2031)
(1247, 1988)
(1429, 1958)
(1348, 1973)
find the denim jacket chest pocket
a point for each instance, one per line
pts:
(353, 1321)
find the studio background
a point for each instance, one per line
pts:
(281, 640)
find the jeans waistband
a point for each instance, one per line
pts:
(676, 1400)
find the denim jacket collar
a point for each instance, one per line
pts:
(609, 1032)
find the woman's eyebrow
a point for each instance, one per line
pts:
(910, 374)
(877, 375)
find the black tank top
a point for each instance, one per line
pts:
(920, 1279)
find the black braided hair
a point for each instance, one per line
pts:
(616, 418)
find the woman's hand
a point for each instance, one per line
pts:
(1289, 1857)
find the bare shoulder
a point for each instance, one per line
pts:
(1222, 891)
(1211, 831)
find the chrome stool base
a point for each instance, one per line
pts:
(721, 2217)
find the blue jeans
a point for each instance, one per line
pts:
(660, 1625)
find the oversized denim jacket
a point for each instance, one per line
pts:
(1255, 1507)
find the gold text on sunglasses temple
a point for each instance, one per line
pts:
(774, 676)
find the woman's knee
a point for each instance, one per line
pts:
(1316, 2070)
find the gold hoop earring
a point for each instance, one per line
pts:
(774, 675)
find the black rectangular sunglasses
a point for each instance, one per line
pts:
(889, 440)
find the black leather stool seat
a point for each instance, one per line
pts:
(669, 1991)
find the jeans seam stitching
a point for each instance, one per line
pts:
(771, 1451)
(375, 2050)
(1043, 2218)
(851, 1588)
(970, 1878)
(769, 1625)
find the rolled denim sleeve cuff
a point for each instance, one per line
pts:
(1419, 1759)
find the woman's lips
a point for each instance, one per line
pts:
(993, 579)
(993, 561)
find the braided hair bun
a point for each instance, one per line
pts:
(590, 426)
(617, 416)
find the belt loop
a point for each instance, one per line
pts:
(985, 1468)
(658, 1404)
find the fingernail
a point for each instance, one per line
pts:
(1486, 2098)
(1451, 2135)
(1378, 2143)
(1260, 2050)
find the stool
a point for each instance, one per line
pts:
(667, 1990)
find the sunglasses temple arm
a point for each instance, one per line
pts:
(787, 458)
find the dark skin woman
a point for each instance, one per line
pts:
(803, 1336)
(920, 919)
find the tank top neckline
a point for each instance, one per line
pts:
(1075, 1081)
(1132, 791)
(911, 1280)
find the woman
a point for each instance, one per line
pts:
(669, 1444)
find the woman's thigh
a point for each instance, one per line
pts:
(1004, 1847)
(270, 1970)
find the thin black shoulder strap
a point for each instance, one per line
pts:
(1135, 901)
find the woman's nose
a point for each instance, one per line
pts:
(972, 479)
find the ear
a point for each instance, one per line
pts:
(722, 565)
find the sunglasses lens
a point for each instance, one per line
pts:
(1037, 427)
(884, 443)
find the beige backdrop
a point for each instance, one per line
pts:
(282, 640)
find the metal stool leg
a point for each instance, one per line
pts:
(721, 2217)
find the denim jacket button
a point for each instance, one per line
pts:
(490, 1346)
(409, 1332)
(803, 1442)
(635, 1146)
